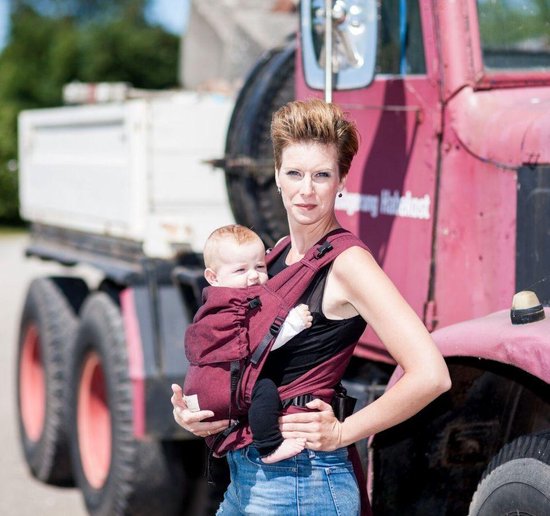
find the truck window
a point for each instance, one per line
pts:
(515, 34)
(400, 45)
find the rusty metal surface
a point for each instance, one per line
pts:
(508, 127)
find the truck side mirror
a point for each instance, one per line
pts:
(354, 39)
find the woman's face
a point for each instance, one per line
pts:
(309, 181)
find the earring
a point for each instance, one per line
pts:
(339, 194)
(279, 190)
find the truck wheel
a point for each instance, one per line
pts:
(517, 480)
(116, 473)
(252, 191)
(48, 325)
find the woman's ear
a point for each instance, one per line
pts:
(342, 183)
(210, 276)
(277, 178)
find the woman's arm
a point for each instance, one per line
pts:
(192, 421)
(359, 281)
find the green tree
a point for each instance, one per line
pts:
(30, 77)
(53, 42)
(129, 50)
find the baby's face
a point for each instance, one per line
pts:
(240, 265)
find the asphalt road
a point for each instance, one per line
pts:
(21, 494)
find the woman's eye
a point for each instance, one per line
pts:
(323, 175)
(293, 173)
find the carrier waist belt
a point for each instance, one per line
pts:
(298, 401)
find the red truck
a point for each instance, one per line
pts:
(450, 190)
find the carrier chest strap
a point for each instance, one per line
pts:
(262, 346)
(235, 377)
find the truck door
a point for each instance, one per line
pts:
(389, 200)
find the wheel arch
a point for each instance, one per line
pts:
(500, 391)
(75, 290)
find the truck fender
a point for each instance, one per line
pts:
(494, 337)
(154, 322)
(135, 359)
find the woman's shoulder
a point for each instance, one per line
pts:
(353, 262)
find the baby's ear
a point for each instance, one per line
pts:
(210, 276)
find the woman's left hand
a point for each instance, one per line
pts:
(321, 430)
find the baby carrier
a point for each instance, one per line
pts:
(233, 331)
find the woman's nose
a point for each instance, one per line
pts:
(306, 185)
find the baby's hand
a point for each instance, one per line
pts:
(305, 315)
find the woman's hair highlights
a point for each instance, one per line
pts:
(314, 121)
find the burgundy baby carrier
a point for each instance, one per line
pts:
(233, 331)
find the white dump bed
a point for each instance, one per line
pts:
(132, 170)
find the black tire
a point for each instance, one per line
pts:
(517, 480)
(253, 195)
(48, 325)
(117, 474)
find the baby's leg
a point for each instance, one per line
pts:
(263, 417)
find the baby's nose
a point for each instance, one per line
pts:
(253, 278)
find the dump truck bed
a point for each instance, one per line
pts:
(133, 170)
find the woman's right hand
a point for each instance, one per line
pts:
(193, 421)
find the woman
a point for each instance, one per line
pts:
(313, 148)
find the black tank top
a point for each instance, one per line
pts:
(316, 344)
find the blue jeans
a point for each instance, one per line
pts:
(309, 484)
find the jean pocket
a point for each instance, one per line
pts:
(252, 456)
(344, 490)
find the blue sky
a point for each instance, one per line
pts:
(171, 14)
(3, 21)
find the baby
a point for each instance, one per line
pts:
(234, 256)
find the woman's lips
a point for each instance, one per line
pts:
(306, 206)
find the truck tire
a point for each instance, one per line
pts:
(117, 473)
(517, 480)
(252, 190)
(48, 325)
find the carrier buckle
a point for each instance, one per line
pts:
(323, 249)
(255, 302)
(276, 326)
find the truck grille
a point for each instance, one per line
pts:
(533, 231)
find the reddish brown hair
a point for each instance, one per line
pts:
(314, 121)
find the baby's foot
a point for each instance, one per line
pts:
(287, 449)
(304, 314)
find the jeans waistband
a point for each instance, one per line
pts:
(309, 457)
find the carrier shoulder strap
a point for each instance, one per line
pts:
(292, 282)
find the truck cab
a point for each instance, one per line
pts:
(450, 192)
